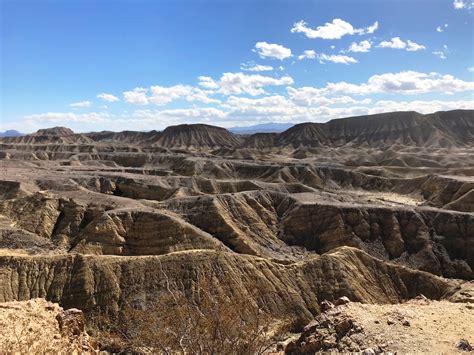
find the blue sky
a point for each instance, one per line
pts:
(114, 65)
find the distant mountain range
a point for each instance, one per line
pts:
(441, 130)
(270, 127)
(11, 133)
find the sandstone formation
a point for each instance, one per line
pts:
(378, 209)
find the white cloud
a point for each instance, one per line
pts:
(421, 106)
(463, 4)
(439, 29)
(61, 117)
(304, 104)
(406, 82)
(207, 82)
(471, 69)
(310, 96)
(271, 50)
(308, 54)
(161, 95)
(199, 113)
(137, 96)
(332, 30)
(323, 58)
(255, 67)
(336, 58)
(439, 54)
(413, 47)
(81, 104)
(240, 83)
(442, 54)
(363, 47)
(397, 43)
(107, 97)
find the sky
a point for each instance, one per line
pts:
(143, 65)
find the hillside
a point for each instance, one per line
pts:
(139, 228)
(197, 136)
(441, 129)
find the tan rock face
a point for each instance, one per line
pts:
(89, 281)
(141, 233)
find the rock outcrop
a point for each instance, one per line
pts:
(38, 326)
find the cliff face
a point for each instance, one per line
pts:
(295, 290)
(274, 225)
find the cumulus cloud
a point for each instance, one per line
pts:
(463, 4)
(137, 96)
(308, 54)
(303, 104)
(397, 43)
(272, 50)
(107, 97)
(363, 47)
(61, 117)
(406, 82)
(161, 95)
(207, 82)
(421, 106)
(199, 113)
(336, 58)
(81, 104)
(323, 58)
(332, 30)
(310, 96)
(413, 47)
(255, 67)
(240, 83)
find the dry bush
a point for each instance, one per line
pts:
(200, 321)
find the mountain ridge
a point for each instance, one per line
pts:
(441, 129)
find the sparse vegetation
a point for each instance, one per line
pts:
(199, 321)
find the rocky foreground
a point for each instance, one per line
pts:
(378, 209)
(39, 326)
(416, 326)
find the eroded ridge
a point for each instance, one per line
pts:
(321, 211)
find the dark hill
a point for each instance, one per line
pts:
(198, 136)
(441, 129)
(54, 131)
